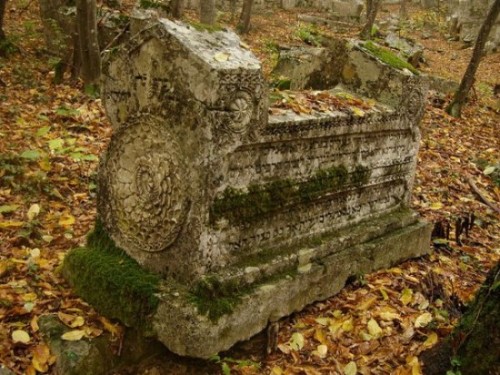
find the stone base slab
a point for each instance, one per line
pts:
(182, 329)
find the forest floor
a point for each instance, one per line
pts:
(51, 137)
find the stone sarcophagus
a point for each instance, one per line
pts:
(249, 216)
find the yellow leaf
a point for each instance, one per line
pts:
(389, 316)
(436, 206)
(415, 365)
(357, 112)
(406, 296)
(320, 336)
(384, 294)
(321, 351)
(66, 220)
(297, 341)
(34, 324)
(423, 320)
(276, 371)
(367, 303)
(77, 322)
(351, 368)
(74, 335)
(41, 357)
(30, 370)
(373, 328)
(222, 56)
(114, 329)
(20, 336)
(347, 326)
(45, 164)
(432, 339)
(29, 297)
(33, 211)
(11, 224)
(322, 321)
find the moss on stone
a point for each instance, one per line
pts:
(115, 284)
(240, 206)
(360, 176)
(388, 57)
(215, 298)
(205, 27)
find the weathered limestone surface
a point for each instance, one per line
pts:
(200, 184)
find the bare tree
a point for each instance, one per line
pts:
(208, 12)
(89, 45)
(177, 8)
(244, 25)
(371, 14)
(455, 107)
(3, 38)
(232, 8)
(403, 10)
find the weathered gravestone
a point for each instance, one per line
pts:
(247, 217)
(465, 19)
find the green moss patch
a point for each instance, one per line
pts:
(205, 27)
(215, 298)
(111, 281)
(239, 206)
(388, 57)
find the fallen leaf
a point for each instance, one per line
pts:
(432, 339)
(74, 335)
(373, 328)
(20, 336)
(114, 329)
(351, 368)
(33, 211)
(297, 341)
(11, 224)
(406, 296)
(222, 56)
(41, 357)
(321, 351)
(423, 320)
(66, 220)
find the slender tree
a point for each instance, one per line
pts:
(403, 10)
(89, 45)
(371, 14)
(177, 8)
(455, 107)
(232, 8)
(244, 25)
(3, 38)
(208, 12)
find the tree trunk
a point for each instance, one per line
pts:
(177, 8)
(89, 45)
(208, 12)
(232, 8)
(455, 107)
(371, 13)
(403, 10)
(3, 38)
(475, 342)
(244, 25)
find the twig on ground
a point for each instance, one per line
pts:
(478, 192)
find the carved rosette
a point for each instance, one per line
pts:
(143, 201)
(241, 110)
(413, 106)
